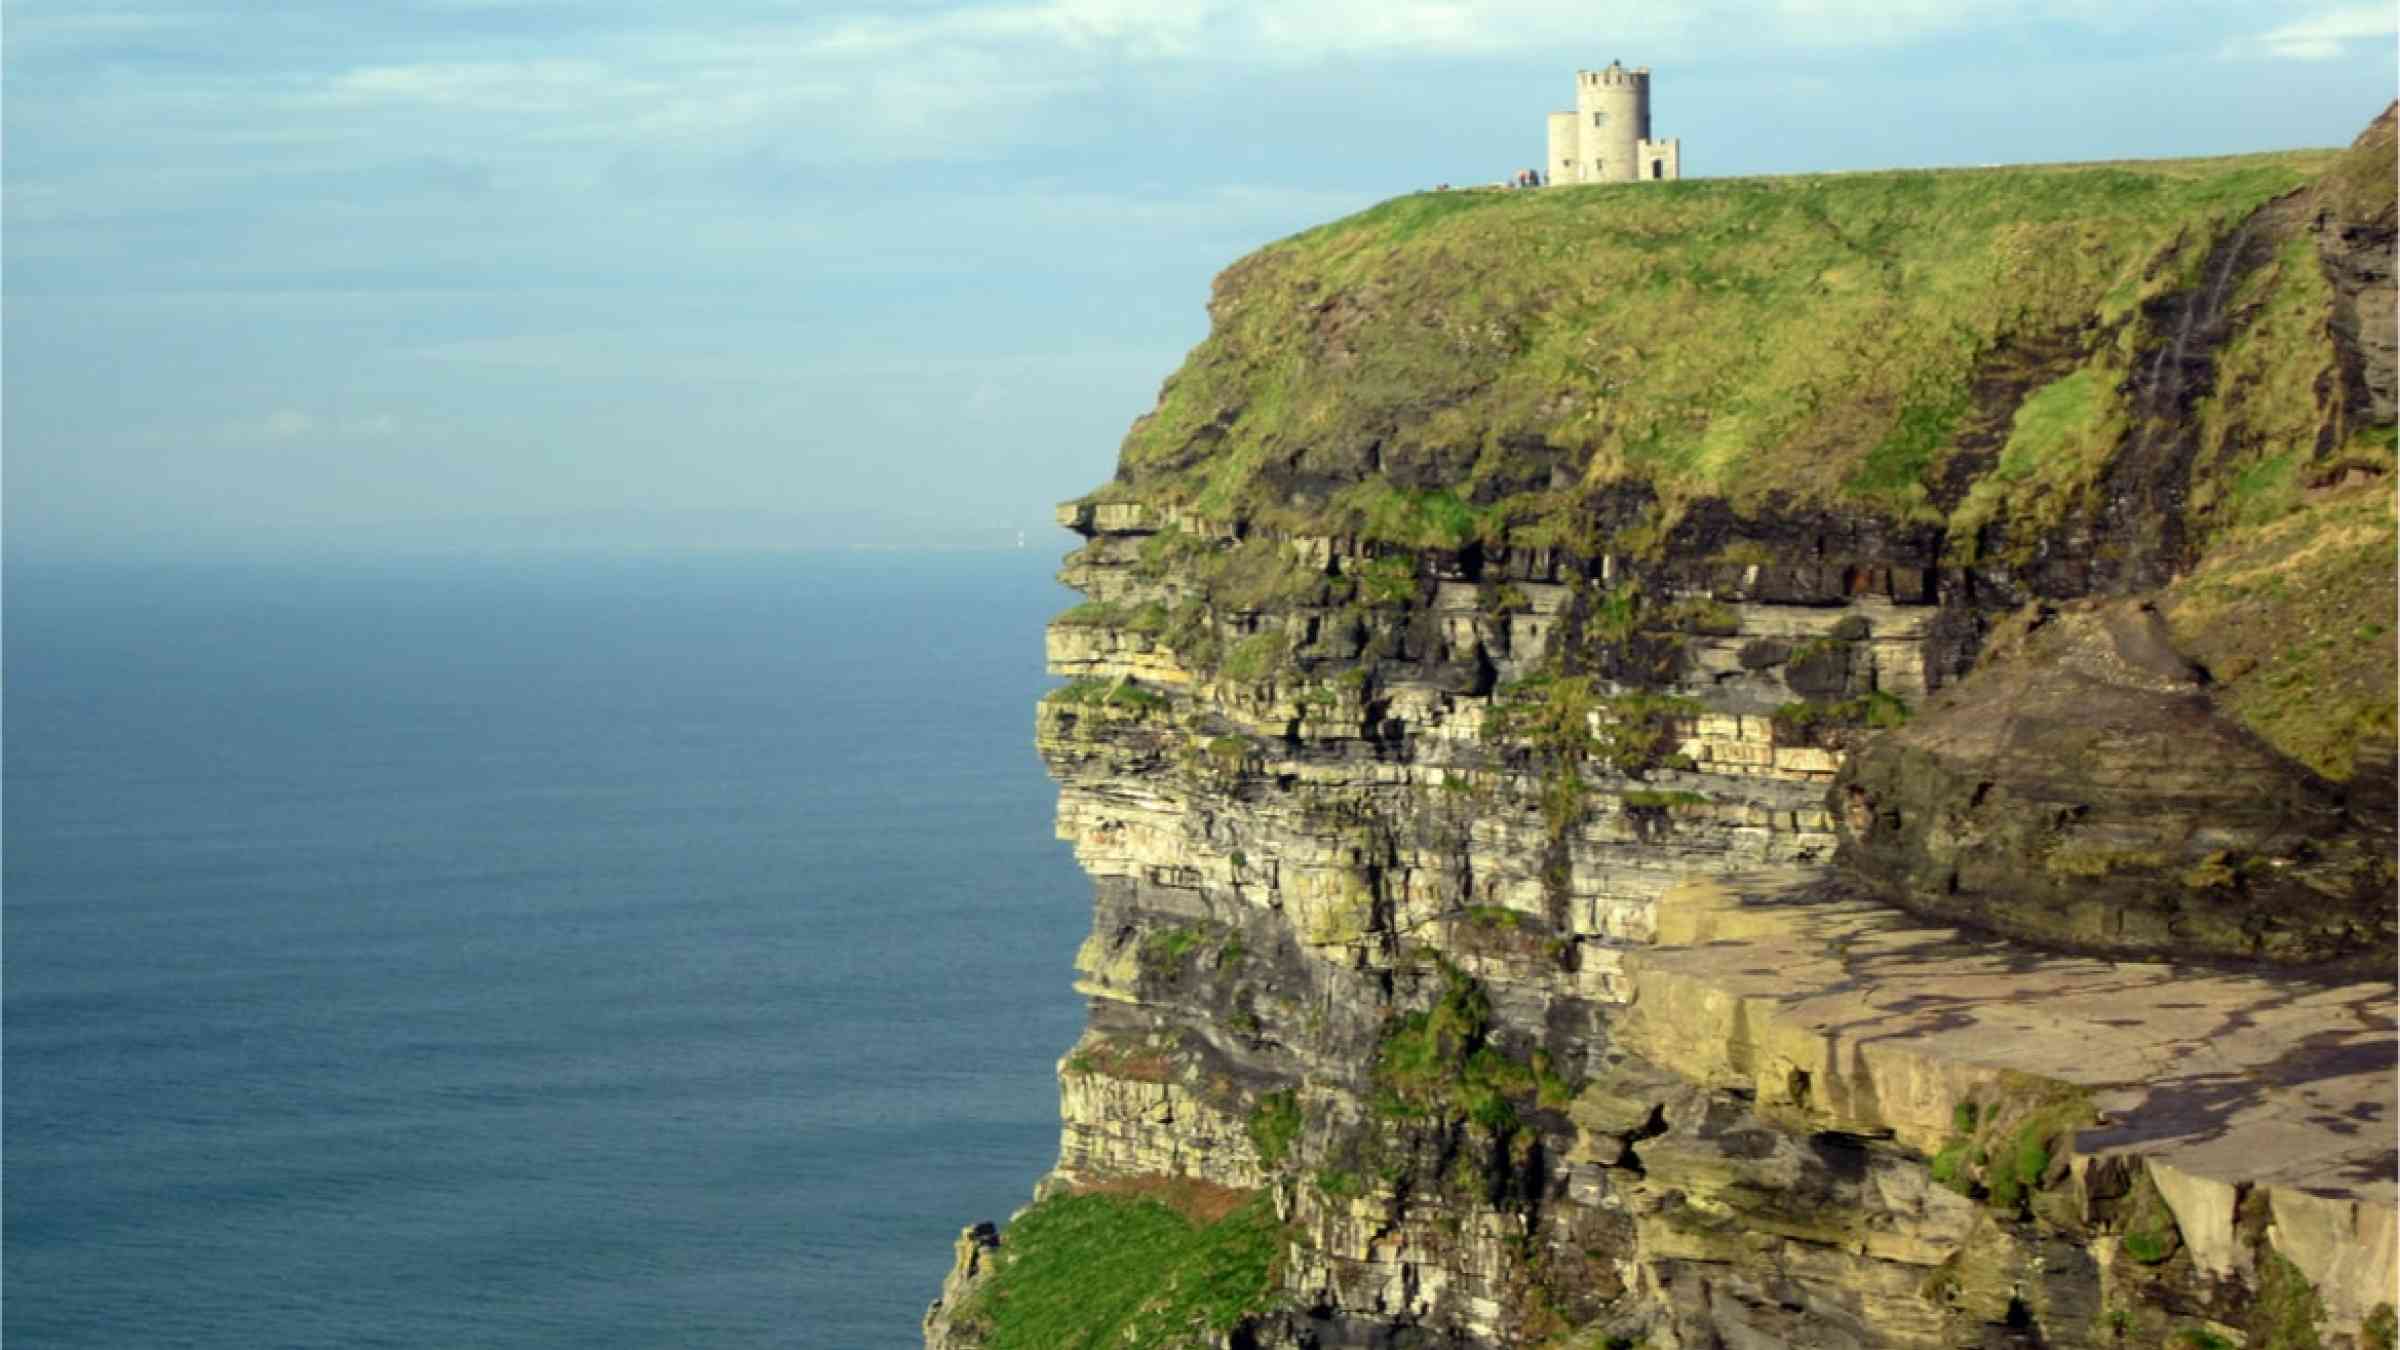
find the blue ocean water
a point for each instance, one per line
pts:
(597, 953)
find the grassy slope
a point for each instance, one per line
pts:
(1127, 1271)
(1809, 342)
(1814, 337)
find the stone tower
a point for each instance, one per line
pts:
(1606, 139)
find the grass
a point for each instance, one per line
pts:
(1815, 337)
(2058, 438)
(1388, 580)
(1375, 509)
(2287, 1310)
(1133, 1059)
(1167, 950)
(2382, 1329)
(1274, 1125)
(2292, 618)
(2001, 1151)
(1255, 657)
(1340, 1184)
(1122, 695)
(1875, 708)
(1441, 1062)
(1092, 614)
(1565, 720)
(1081, 1272)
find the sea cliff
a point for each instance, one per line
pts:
(1796, 762)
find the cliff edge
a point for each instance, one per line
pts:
(1755, 763)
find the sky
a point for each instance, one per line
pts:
(405, 276)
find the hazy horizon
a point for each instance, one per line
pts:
(473, 275)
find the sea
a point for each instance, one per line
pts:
(660, 951)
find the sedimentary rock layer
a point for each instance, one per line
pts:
(1553, 890)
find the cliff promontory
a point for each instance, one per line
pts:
(1749, 763)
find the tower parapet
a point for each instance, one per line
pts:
(1606, 138)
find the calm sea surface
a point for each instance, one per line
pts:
(642, 953)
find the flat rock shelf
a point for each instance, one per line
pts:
(2236, 1093)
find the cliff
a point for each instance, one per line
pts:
(1795, 762)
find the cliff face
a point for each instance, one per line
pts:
(1572, 683)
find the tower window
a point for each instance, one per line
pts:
(1599, 119)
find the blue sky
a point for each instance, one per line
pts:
(367, 275)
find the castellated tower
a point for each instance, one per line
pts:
(1606, 139)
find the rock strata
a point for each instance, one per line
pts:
(2081, 791)
(1552, 889)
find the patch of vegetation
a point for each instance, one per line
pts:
(2001, 1151)
(1563, 719)
(1895, 467)
(1377, 511)
(1956, 1166)
(1169, 551)
(1114, 1272)
(1134, 1059)
(1875, 709)
(2148, 1231)
(1166, 951)
(2062, 433)
(1617, 613)
(2292, 617)
(2287, 1310)
(1506, 599)
(1337, 1184)
(1702, 614)
(1255, 657)
(1565, 724)
(2149, 1248)
(2259, 428)
(1388, 580)
(1636, 730)
(1274, 1124)
(1809, 337)
(1230, 751)
(1255, 575)
(2382, 1328)
(1441, 1062)
(1121, 694)
(1092, 614)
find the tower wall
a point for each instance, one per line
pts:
(1660, 160)
(1612, 119)
(1565, 161)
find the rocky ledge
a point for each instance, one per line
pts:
(2255, 1110)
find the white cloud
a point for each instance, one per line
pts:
(296, 427)
(286, 424)
(852, 86)
(941, 83)
(505, 87)
(2323, 36)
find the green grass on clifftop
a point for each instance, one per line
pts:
(1454, 365)
(1125, 1272)
(2294, 619)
